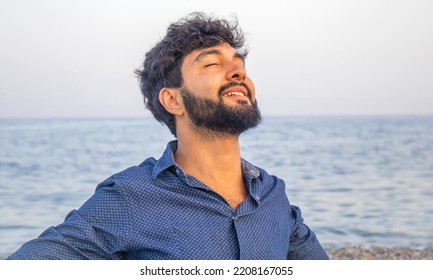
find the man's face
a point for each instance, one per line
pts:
(217, 93)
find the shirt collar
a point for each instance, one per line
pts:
(167, 160)
(249, 170)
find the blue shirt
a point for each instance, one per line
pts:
(157, 211)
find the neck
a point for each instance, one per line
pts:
(209, 157)
(215, 162)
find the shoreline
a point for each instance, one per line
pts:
(380, 253)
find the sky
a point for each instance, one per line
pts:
(62, 59)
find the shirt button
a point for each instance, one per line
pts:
(257, 197)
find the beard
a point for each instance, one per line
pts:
(214, 118)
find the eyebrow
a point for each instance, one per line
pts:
(217, 52)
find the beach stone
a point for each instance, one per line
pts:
(380, 253)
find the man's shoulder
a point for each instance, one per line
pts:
(131, 176)
(143, 177)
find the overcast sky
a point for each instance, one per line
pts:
(338, 57)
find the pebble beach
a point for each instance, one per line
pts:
(380, 253)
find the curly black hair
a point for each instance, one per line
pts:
(162, 64)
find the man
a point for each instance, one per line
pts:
(200, 200)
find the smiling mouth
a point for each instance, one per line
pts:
(234, 93)
(237, 92)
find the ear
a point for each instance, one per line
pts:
(171, 100)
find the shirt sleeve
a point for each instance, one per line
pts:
(303, 242)
(98, 230)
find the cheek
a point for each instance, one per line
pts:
(204, 88)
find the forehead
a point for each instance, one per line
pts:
(224, 50)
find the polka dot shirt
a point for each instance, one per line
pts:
(157, 211)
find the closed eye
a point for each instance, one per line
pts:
(211, 64)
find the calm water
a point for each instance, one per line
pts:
(359, 181)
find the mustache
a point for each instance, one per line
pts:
(234, 84)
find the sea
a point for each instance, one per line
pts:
(364, 181)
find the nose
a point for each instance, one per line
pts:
(237, 72)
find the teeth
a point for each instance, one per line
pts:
(237, 93)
